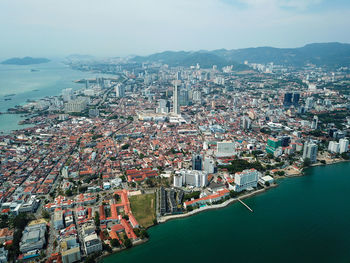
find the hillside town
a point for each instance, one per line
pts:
(99, 165)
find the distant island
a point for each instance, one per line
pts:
(25, 61)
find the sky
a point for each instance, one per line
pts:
(108, 28)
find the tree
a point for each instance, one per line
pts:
(125, 146)
(69, 192)
(97, 219)
(345, 156)
(306, 162)
(144, 234)
(115, 242)
(106, 247)
(45, 214)
(127, 243)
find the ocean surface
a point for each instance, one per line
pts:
(305, 219)
(18, 83)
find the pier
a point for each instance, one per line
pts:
(251, 210)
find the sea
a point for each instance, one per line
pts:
(18, 83)
(304, 219)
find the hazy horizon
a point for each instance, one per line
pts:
(42, 28)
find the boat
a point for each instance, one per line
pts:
(34, 70)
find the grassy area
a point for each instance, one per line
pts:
(144, 208)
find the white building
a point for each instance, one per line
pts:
(343, 145)
(119, 91)
(77, 105)
(246, 180)
(176, 104)
(191, 177)
(92, 244)
(333, 147)
(209, 165)
(310, 151)
(225, 149)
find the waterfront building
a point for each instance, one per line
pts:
(310, 151)
(343, 145)
(92, 244)
(246, 180)
(333, 147)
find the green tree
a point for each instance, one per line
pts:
(45, 214)
(115, 242)
(127, 243)
(306, 162)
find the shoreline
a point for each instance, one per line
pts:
(215, 207)
(165, 219)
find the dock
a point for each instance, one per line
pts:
(251, 210)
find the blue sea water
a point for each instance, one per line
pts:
(19, 83)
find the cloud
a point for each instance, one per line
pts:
(115, 27)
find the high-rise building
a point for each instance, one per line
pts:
(273, 144)
(246, 123)
(287, 100)
(314, 123)
(310, 151)
(197, 160)
(209, 165)
(162, 106)
(67, 94)
(183, 97)
(333, 147)
(176, 106)
(190, 177)
(296, 98)
(120, 91)
(309, 102)
(343, 145)
(246, 180)
(77, 105)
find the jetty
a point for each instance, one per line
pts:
(251, 210)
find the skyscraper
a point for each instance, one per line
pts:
(197, 162)
(120, 91)
(176, 105)
(314, 123)
(296, 98)
(343, 145)
(287, 100)
(310, 151)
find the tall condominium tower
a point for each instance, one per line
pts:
(176, 105)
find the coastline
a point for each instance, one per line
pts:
(218, 206)
(165, 219)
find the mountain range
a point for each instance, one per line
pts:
(330, 55)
